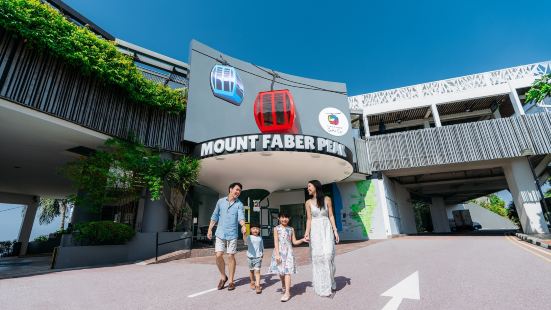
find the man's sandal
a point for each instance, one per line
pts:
(231, 287)
(258, 289)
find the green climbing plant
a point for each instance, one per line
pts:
(541, 88)
(44, 28)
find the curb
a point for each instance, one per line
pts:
(536, 241)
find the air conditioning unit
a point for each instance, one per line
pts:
(226, 84)
(274, 111)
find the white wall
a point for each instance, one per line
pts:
(285, 198)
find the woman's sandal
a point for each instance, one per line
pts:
(285, 298)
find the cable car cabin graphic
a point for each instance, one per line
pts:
(226, 84)
(274, 112)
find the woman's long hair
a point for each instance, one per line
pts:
(319, 193)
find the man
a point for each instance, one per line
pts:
(228, 212)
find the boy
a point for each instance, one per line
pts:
(255, 249)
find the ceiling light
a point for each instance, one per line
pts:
(219, 158)
(399, 121)
(265, 153)
(315, 155)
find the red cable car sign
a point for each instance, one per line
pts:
(274, 112)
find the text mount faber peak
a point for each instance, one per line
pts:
(272, 142)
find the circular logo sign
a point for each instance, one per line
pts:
(333, 121)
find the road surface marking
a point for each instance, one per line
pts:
(407, 288)
(532, 246)
(203, 292)
(527, 250)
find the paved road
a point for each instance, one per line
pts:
(454, 273)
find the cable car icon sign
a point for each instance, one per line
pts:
(226, 84)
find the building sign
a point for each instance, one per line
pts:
(226, 84)
(333, 121)
(272, 142)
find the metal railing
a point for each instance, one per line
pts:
(484, 140)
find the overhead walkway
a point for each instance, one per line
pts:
(485, 140)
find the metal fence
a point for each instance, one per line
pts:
(484, 140)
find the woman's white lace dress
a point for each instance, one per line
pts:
(322, 251)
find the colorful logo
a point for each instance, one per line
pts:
(226, 84)
(274, 112)
(333, 119)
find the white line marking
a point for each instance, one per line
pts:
(407, 288)
(203, 292)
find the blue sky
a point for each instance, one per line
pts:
(370, 45)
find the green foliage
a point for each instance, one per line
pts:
(541, 88)
(123, 169)
(42, 238)
(51, 208)
(104, 233)
(46, 29)
(6, 247)
(423, 220)
(495, 204)
(512, 214)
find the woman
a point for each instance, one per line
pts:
(321, 232)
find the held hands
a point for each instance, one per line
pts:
(243, 230)
(306, 238)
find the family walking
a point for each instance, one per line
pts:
(321, 233)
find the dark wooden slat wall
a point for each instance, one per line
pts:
(40, 81)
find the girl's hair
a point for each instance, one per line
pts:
(283, 214)
(319, 193)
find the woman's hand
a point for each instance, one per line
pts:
(278, 259)
(337, 239)
(307, 237)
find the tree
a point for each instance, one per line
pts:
(51, 208)
(494, 204)
(126, 168)
(513, 215)
(183, 174)
(541, 89)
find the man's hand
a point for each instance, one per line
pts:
(209, 234)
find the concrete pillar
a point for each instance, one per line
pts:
(497, 114)
(27, 226)
(365, 120)
(435, 115)
(515, 100)
(407, 216)
(439, 216)
(526, 196)
(426, 124)
(383, 203)
(155, 216)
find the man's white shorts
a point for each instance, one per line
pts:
(228, 246)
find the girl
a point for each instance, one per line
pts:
(283, 260)
(322, 234)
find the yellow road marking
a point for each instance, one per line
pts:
(531, 246)
(526, 249)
